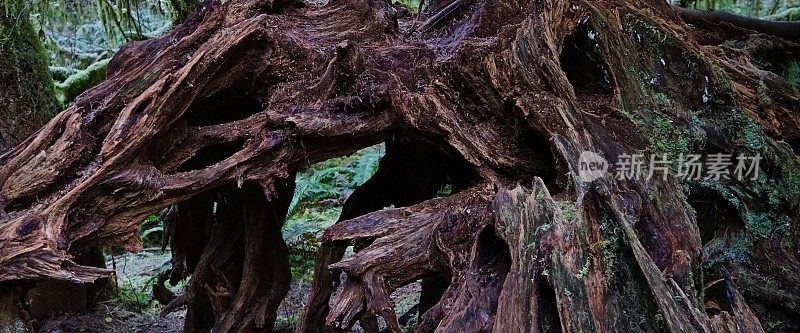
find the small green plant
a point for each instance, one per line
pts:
(773, 326)
(329, 183)
(150, 231)
(302, 252)
(585, 269)
(134, 293)
(444, 191)
(793, 73)
(654, 195)
(410, 4)
(288, 322)
(320, 192)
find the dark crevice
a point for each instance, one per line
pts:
(223, 107)
(717, 294)
(492, 257)
(536, 146)
(212, 154)
(777, 58)
(408, 318)
(546, 166)
(433, 288)
(716, 217)
(547, 317)
(409, 173)
(489, 268)
(18, 205)
(582, 61)
(795, 144)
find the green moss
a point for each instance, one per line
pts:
(623, 279)
(737, 247)
(764, 100)
(631, 115)
(27, 99)
(793, 73)
(81, 81)
(585, 269)
(569, 209)
(788, 183)
(671, 139)
(751, 136)
(662, 99)
(763, 224)
(61, 73)
(720, 79)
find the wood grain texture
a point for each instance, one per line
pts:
(497, 99)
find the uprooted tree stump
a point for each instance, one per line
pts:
(496, 99)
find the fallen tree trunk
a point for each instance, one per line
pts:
(499, 100)
(781, 29)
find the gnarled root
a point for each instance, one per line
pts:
(406, 244)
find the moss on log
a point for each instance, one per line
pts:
(82, 80)
(500, 100)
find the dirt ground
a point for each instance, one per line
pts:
(135, 270)
(113, 320)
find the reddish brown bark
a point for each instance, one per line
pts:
(498, 99)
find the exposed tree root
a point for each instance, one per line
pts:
(497, 99)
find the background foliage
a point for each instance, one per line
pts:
(782, 10)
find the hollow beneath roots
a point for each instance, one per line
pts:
(716, 217)
(215, 239)
(583, 62)
(409, 173)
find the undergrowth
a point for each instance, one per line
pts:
(320, 192)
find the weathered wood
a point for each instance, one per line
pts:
(409, 173)
(226, 107)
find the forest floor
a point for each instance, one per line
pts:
(134, 310)
(320, 193)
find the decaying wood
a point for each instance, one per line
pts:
(498, 99)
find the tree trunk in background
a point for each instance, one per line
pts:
(497, 99)
(182, 8)
(27, 100)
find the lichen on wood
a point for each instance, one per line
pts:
(498, 100)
